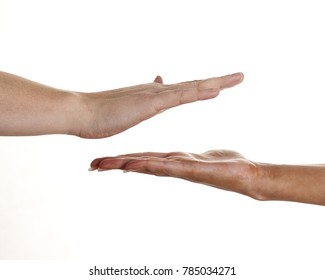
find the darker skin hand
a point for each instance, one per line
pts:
(223, 169)
(230, 171)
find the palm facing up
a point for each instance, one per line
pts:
(224, 169)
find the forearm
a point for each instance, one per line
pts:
(292, 183)
(29, 108)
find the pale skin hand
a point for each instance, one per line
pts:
(28, 108)
(230, 171)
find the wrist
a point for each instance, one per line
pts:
(299, 183)
(277, 182)
(77, 113)
(86, 120)
(265, 184)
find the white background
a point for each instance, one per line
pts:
(52, 208)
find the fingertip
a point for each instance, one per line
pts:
(236, 77)
(94, 164)
(241, 74)
(231, 80)
(106, 164)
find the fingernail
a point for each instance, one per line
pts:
(237, 77)
(232, 80)
(92, 169)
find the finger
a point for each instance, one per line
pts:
(216, 82)
(158, 80)
(109, 162)
(104, 161)
(185, 169)
(113, 163)
(169, 155)
(94, 164)
(223, 82)
(153, 166)
(172, 98)
(119, 162)
(194, 91)
(147, 154)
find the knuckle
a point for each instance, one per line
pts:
(195, 83)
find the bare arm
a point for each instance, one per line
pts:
(29, 108)
(230, 171)
(301, 183)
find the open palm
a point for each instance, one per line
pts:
(224, 169)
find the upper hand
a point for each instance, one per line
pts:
(111, 112)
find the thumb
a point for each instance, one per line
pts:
(158, 80)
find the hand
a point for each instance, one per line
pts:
(114, 111)
(28, 108)
(230, 171)
(223, 169)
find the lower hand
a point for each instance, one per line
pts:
(223, 169)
